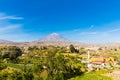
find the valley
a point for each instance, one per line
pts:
(54, 58)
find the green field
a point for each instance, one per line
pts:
(91, 77)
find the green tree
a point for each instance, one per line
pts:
(100, 48)
(72, 49)
(11, 52)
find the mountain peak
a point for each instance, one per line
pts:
(5, 41)
(54, 34)
(54, 37)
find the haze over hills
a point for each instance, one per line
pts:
(5, 41)
(57, 40)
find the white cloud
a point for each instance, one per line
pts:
(3, 16)
(79, 30)
(20, 36)
(108, 32)
(88, 33)
(9, 27)
(12, 31)
(113, 30)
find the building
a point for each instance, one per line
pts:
(100, 62)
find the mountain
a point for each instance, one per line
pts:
(5, 41)
(56, 40)
(54, 37)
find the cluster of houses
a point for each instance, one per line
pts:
(100, 62)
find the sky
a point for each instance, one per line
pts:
(91, 21)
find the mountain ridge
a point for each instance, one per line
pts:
(54, 37)
(5, 41)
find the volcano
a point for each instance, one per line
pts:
(54, 37)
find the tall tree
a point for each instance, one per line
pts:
(72, 49)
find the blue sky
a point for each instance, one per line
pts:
(92, 21)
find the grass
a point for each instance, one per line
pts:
(92, 76)
(17, 66)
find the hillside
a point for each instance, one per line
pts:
(5, 41)
(54, 37)
(56, 40)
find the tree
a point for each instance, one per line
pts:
(72, 49)
(55, 66)
(100, 48)
(11, 52)
(82, 51)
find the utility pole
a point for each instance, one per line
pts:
(88, 58)
(88, 55)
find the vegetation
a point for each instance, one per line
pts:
(38, 63)
(91, 76)
(10, 53)
(72, 49)
(48, 63)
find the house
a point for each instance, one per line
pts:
(101, 62)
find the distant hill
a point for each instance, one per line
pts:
(55, 39)
(5, 41)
